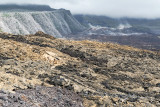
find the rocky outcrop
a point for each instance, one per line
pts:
(102, 74)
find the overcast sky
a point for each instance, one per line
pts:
(113, 8)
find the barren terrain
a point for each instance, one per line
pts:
(97, 74)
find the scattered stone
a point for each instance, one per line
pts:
(158, 85)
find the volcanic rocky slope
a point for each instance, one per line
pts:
(79, 73)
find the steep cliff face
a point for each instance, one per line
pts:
(56, 22)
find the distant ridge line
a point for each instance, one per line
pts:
(31, 7)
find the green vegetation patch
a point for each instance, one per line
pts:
(6, 15)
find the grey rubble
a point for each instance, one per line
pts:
(40, 97)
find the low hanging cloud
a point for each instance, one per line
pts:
(113, 8)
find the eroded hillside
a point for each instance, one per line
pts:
(102, 74)
(58, 22)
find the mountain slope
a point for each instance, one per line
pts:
(103, 74)
(139, 33)
(150, 26)
(54, 22)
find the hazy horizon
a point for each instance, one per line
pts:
(112, 8)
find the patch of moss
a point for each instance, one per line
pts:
(6, 15)
(1, 30)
